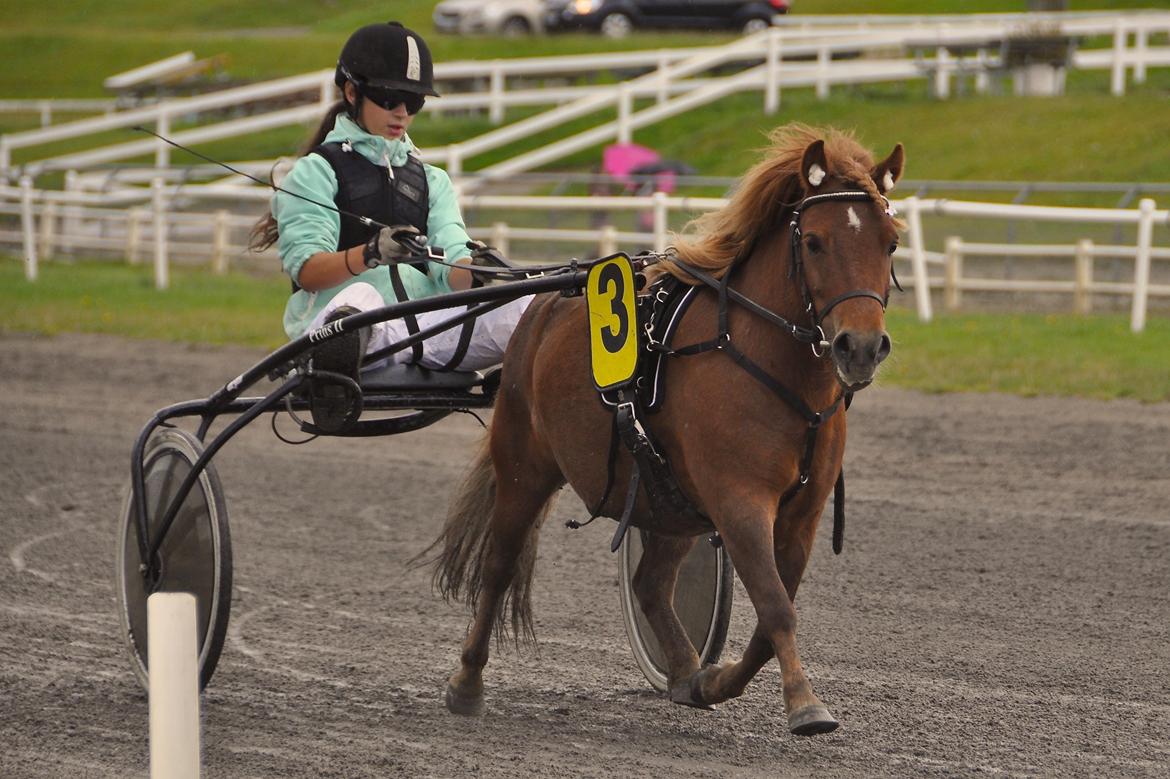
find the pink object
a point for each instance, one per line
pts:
(620, 159)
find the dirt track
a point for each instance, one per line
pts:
(1002, 606)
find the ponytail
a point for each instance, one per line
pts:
(266, 231)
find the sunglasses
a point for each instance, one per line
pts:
(392, 98)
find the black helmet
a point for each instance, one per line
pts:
(388, 56)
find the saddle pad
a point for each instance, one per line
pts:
(412, 377)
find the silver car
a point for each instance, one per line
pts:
(505, 17)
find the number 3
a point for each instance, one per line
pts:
(611, 277)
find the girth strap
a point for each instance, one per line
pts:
(411, 322)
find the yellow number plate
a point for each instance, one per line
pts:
(613, 322)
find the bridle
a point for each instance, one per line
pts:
(797, 266)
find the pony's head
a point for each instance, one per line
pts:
(825, 190)
(844, 234)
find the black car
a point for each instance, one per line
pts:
(616, 18)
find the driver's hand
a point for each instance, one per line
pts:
(392, 245)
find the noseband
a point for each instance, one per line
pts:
(797, 266)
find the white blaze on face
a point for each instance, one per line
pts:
(854, 220)
(816, 174)
(413, 66)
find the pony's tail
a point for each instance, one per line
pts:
(458, 565)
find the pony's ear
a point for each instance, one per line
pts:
(887, 172)
(814, 168)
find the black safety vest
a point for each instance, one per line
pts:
(364, 188)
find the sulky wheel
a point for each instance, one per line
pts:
(195, 557)
(702, 600)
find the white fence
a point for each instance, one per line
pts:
(54, 222)
(790, 58)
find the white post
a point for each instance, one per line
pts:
(608, 243)
(219, 241)
(46, 113)
(660, 223)
(496, 94)
(625, 106)
(162, 152)
(982, 77)
(328, 90)
(823, 59)
(158, 202)
(663, 76)
(133, 235)
(918, 259)
(1141, 270)
(953, 273)
(1083, 298)
(942, 73)
(5, 158)
(1120, 39)
(28, 227)
(71, 227)
(772, 74)
(173, 659)
(499, 237)
(454, 161)
(48, 223)
(1141, 41)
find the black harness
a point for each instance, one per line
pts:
(665, 305)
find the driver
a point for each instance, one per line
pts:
(362, 160)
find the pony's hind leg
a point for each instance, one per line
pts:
(505, 556)
(654, 584)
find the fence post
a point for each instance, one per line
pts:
(625, 105)
(133, 235)
(1083, 298)
(1120, 40)
(823, 59)
(660, 223)
(1140, 40)
(158, 202)
(162, 152)
(48, 221)
(219, 240)
(328, 89)
(1141, 270)
(28, 227)
(608, 243)
(499, 237)
(71, 223)
(5, 158)
(918, 259)
(982, 77)
(454, 161)
(772, 75)
(663, 76)
(953, 273)
(46, 113)
(942, 73)
(496, 94)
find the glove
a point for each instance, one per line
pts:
(392, 245)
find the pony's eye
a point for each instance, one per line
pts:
(814, 245)
(893, 247)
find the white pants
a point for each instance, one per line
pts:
(488, 340)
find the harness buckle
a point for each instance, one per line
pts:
(804, 478)
(724, 339)
(820, 343)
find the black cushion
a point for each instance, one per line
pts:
(412, 377)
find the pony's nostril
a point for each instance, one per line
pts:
(884, 348)
(843, 346)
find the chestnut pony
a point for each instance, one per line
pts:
(808, 236)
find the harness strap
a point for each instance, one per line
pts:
(411, 322)
(465, 333)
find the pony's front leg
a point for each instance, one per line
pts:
(749, 540)
(654, 584)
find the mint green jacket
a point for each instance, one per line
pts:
(306, 229)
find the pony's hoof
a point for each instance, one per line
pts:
(811, 720)
(688, 692)
(463, 705)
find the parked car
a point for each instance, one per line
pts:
(505, 17)
(617, 18)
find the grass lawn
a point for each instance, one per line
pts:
(1094, 356)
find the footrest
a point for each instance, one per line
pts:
(394, 378)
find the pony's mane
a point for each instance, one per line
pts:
(766, 194)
